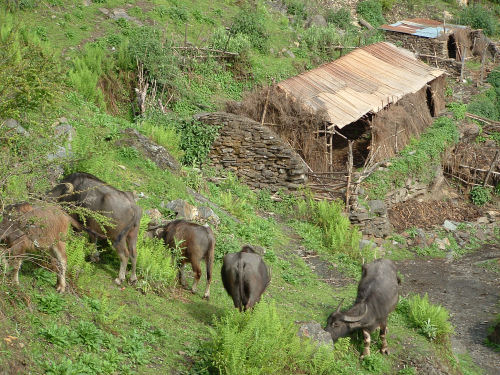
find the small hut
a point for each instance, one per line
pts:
(378, 96)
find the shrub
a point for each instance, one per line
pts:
(319, 39)
(371, 11)
(263, 342)
(431, 320)
(163, 130)
(340, 18)
(250, 21)
(233, 42)
(480, 195)
(77, 251)
(50, 303)
(196, 141)
(478, 17)
(296, 8)
(458, 109)
(388, 4)
(155, 264)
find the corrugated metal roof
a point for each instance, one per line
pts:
(420, 27)
(365, 80)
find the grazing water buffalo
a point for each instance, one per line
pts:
(245, 277)
(26, 228)
(198, 242)
(86, 190)
(377, 297)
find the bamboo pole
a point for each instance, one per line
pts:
(495, 159)
(349, 173)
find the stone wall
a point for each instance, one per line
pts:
(427, 46)
(256, 154)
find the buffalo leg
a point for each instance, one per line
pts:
(367, 341)
(197, 275)
(209, 266)
(16, 264)
(132, 246)
(383, 334)
(182, 277)
(59, 252)
(121, 248)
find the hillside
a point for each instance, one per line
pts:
(76, 74)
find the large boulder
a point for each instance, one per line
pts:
(316, 20)
(315, 332)
(183, 209)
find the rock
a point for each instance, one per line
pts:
(316, 20)
(316, 333)
(183, 209)
(155, 215)
(437, 183)
(493, 216)
(290, 54)
(442, 243)
(470, 130)
(60, 153)
(482, 220)
(449, 226)
(104, 11)
(206, 214)
(364, 243)
(65, 131)
(377, 207)
(156, 153)
(14, 124)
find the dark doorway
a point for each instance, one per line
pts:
(452, 47)
(430, 101)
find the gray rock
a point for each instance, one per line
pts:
(183, 209)
(65, 130)
(315, 332)
(60, 153)
(364, 243)
(316, 20)
(450, 226)
(290, 54)
(482, 220)
(377, 207)
(13, 124)
(206, 214)
(155, 215)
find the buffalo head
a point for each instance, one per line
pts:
(340, 324)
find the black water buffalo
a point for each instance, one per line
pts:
(245, 277)
(377, 297)
(197, 243)
(86, 190)
(30, 228)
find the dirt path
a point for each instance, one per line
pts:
(470, 292)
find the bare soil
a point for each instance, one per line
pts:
(426, 215)
(470, 292)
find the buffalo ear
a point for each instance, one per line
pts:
(363, 270)
(340, 304)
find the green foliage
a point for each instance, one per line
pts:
(77, 250)
(29, 71)
(251, 22)
(458, 109)
(226, 40)
(387, 4)
(431, 320)
(50, 303)
(371, 11)
(340, 18)
(478, 17)
(375, 364)
(486, 104)
(296, 8)
(416, 160)
(264, 342)
(156, 266)
(196, 141)
(480, 195)
(319, 40)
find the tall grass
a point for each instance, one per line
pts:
(264, 342)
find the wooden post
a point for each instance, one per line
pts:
(349, 174)
(483, 61)
(464, 52)
(491, 167)
(265, 107)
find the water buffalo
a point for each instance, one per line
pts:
(245, 277)
(377, 297)
(26, 228)
(197, 243)
(87, 191)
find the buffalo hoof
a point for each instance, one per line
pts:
(60, 289)
(118, 281)
(384, 351)
(207, 297)
(133, 280)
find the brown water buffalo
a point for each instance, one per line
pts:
(27, 229)
(86, 190)
(198, 242)
(377, 297)
(245, 277)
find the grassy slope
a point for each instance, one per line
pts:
(120, 330)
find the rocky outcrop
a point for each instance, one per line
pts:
(256, 154)
(371, 217)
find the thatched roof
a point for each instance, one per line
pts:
(363, 81)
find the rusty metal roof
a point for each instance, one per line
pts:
(421, 27)
(363, 81)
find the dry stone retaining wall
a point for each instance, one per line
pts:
(255, 153)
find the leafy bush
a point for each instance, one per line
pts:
(388, 4)
(251, 22)
(29, 70)
(77, 250)
(50, 303)
(483, 106)
(340, 18)
(480, 195)
(196, 141)
(458, 109)
(431, 320)
(319, 39)
(163, 130)
(233, 42)
(296, 8)
(478, 17)
(263, 342)
(371, 11)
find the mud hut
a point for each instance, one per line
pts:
(378, 96)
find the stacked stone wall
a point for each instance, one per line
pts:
(426, 46)
(255, 153)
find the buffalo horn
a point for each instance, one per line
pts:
(340, 304)
(353, 319)
(70, 188)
